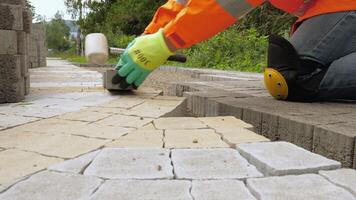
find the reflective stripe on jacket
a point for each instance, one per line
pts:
(187, 22)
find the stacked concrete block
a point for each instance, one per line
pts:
(37, 46)
(14, 27)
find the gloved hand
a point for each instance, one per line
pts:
(141, 57)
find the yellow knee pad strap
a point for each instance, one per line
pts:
(276, 84)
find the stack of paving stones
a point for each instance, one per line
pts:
(326, 128)
(253, 169)
(15, 26)
(37, 51)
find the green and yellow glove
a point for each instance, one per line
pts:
(142, 56)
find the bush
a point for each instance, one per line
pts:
(230, 50)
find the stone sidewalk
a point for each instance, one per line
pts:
(71, 139)
(326, 128)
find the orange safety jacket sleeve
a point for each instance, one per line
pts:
(165, 14)
(200, 20)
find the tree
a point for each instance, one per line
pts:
(75, 8)
(57, 34)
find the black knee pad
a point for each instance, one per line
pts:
(281, 75)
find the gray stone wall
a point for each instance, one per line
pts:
(21, 47)
(37, 51)
(15, 25)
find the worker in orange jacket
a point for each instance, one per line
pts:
(317, 63)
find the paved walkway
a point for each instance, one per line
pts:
(73, 140)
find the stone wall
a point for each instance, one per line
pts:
(37, 51)
(15, 25)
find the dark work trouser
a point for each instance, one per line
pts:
(330, 40)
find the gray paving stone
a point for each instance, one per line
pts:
(345, 178)
(76, 165)
(336, 141)
(131, 164)
(306, 187)
(211, 164)
(15, 120)
(144, 190)
(283, 158)
(52, 185)
(220, 189)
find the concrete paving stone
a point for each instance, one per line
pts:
(270, 124)
(199, 138)
(139, 139)
(144, 190)
(211, 164)
(99, 131)
(76, 165)
(106, 110)
(131, 164)
(224, 123)
(238, 136)
(336, 141)
(58, 145)
(295, 131)
(15, 120)
(153, 108)
(124, 121)
(51, 126)
(148, 127)
(172, 123)
(283, 158)
(220, 189)
(254, 118)
(84, 115)
(307, 186)
(16, 164)
(29, 111)
(345, 178)
(8, 41)
(123, 102)
(53, 185)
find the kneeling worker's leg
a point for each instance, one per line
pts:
(340, 80)
(287, 77)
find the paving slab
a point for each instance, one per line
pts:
(144, 190)
(336, 141)
(308, 187)
(220, 189)
(84, 115)
(58, 145)
(15, 120)
(114, 163)
(139, 139)
(16, 164)
(198, 138)
(211, 164)
(99, 131)
(76, 165)
(124, 121)
(171, 123)
(53, 185)
(153, 108)
(50, 126)
(225, 123)
(124, 102)
(240, 135)
(345, 178)
(106, 110)
(283, 158)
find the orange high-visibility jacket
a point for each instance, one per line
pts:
(187, 22)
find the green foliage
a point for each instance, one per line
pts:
(230, 50)
(57, 34)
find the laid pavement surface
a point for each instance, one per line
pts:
(70, 139)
